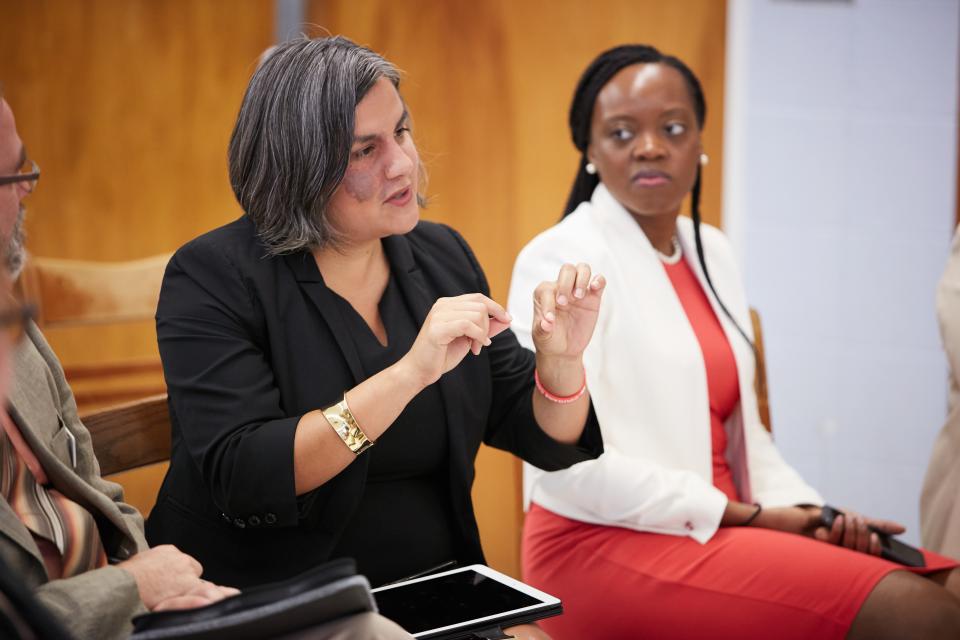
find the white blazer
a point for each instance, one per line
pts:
(647, 378)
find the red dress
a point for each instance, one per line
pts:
(744, 582)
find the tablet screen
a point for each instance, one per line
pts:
(450, 599)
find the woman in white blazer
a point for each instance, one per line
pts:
(690, 524)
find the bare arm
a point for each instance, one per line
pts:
(564, 316)
(318, 452)
(563, 422)
(454, 327)
(850, 529)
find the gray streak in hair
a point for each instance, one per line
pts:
(291, 145)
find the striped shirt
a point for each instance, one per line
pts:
(64, 531)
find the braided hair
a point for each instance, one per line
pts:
(596, 76)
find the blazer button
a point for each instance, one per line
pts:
(253, 521)
(688, 525)
(270, 518)
(239, 523)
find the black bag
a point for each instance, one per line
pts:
(323, 594)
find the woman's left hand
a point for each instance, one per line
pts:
(853, 531)
(565, 311)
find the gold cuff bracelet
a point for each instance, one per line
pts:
(345, 425)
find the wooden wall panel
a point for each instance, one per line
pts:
(127, 107)
(489, 84)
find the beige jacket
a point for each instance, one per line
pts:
(98, 604)
(940, 500)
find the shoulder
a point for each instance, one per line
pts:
(38, 388)
(574, 239)
(442, 249)
(36, 369)
(438, 237)
(35, 344)
(711, 235)
(721, 261)
(228, 264)
(232, 255)
(716, 243)
(236, 242)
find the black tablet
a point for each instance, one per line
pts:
(457, 603)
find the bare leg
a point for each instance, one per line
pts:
(905, 605)
(949, 579)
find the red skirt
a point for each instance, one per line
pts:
(744, 582)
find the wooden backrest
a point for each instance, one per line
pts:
(131, 435)
(80, 292)
(760, 380)
(98, 316)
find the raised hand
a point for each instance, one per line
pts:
(565, 311)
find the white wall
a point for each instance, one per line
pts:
(840, 155)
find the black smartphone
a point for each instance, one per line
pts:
(890, 548)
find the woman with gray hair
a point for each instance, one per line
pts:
(329, 318)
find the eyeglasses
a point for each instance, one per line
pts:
(14, 317)
(28, 173)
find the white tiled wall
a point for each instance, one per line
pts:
(840, 155)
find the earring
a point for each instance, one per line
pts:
(591, 168)
(704, 159)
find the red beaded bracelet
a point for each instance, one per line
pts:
(560, 399)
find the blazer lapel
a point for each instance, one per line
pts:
(12, 527)
(308, 276)
(409, 277)
(421, 299)
(742, 353)
(30, 404)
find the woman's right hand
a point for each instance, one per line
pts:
(454, 327)
(855, 531)
(850, 529)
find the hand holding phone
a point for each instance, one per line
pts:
(890, 548)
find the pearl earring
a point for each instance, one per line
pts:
(591, 168)
(704, 159)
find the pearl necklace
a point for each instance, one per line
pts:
(674, 257)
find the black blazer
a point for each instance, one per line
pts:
(250, 343)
